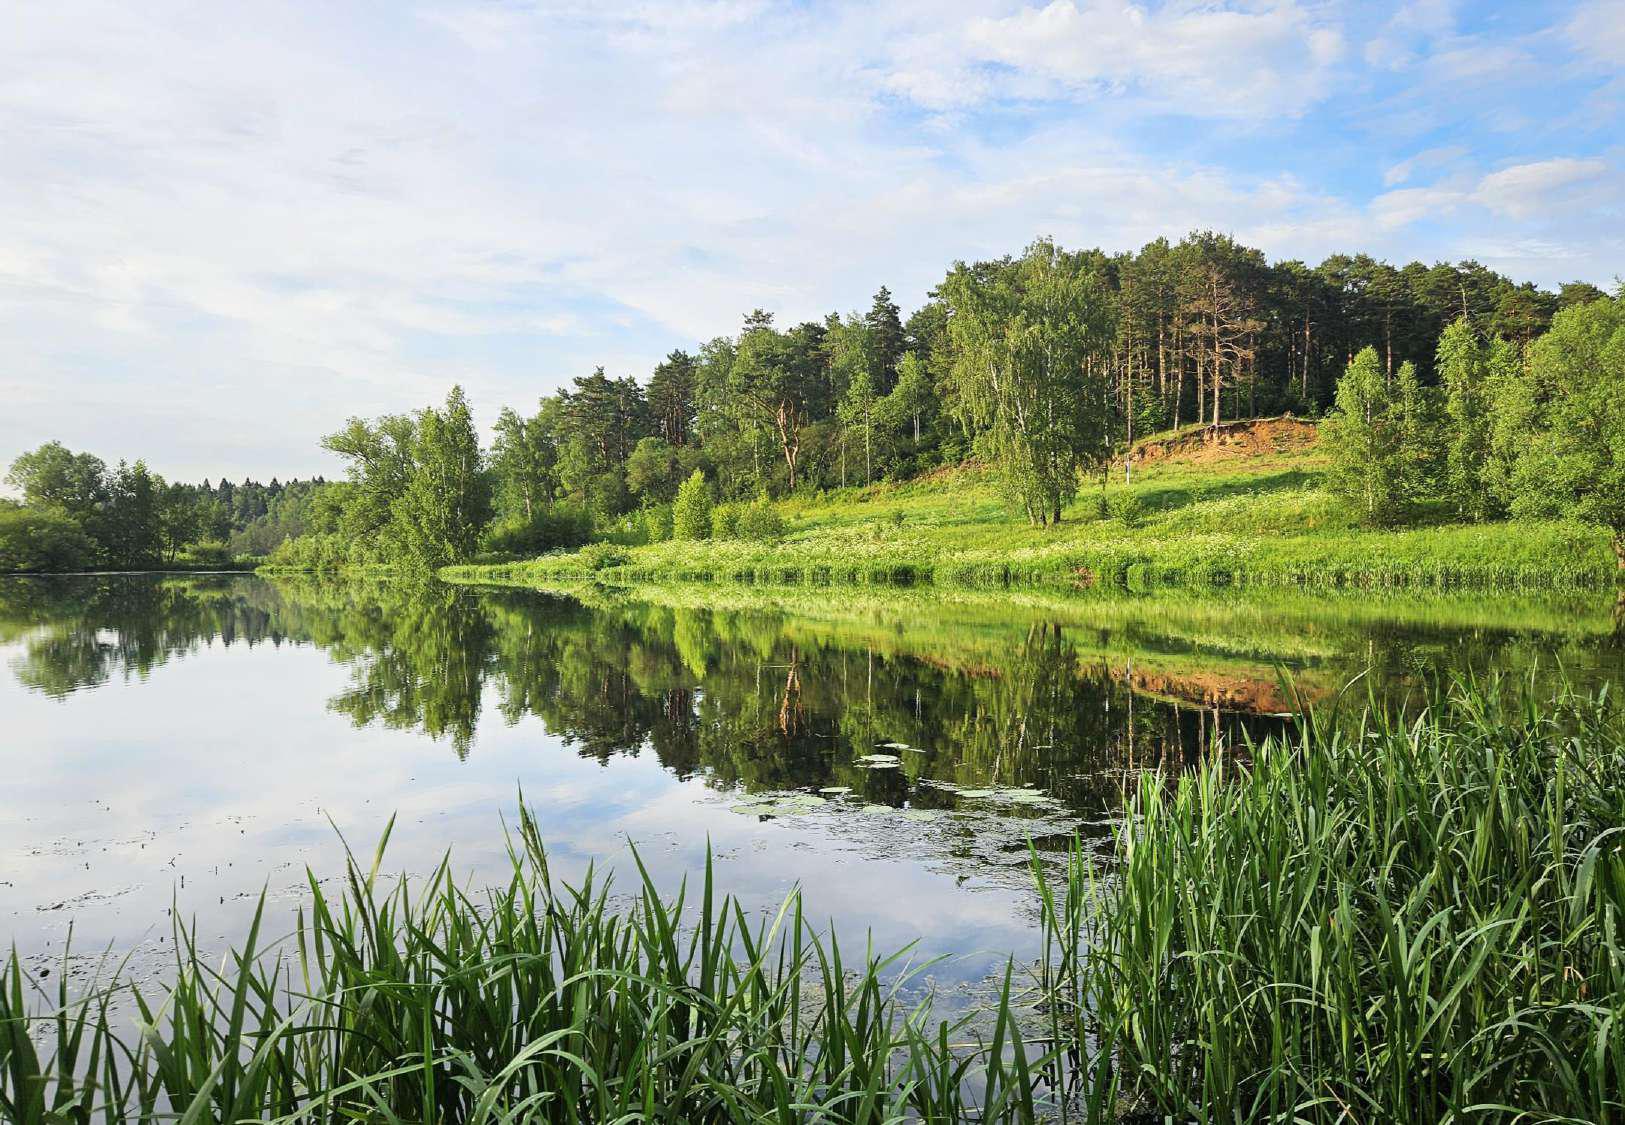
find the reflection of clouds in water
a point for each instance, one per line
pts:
(131, 771)
(170, 808)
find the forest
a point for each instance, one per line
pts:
(1446, 388)
(76, 513)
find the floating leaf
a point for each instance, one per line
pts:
(878, 762)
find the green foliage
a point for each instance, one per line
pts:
(42, 540)
(446, 501)
(210, 553)
(673, 402)
(1566, 420)
(1384, 920)
(318, 551)
(773, 385)
(524, 463)
(691, 514)
(379, 460)
(1031, 337)
(1264, 521)
(1470, 370)
(1381, 439)
(418, 494)
(128, 525)
(54, 478)
(602, 556)
(1127, 509)
(656, 521)
(760, 523)
(725, 520)
(655, 471)
(556, 527)
(133, 518)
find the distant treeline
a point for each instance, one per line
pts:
(78, 514)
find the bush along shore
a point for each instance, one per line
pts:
(1370, 919)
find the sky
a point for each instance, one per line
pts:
(224, 228)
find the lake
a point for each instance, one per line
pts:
(185, 742)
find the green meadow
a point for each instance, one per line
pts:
(1231, 519)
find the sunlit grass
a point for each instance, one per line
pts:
(1241, 520)
(1373, 922)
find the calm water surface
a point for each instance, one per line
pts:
(185, 742)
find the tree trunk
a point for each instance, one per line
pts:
(1201, 386)
(1306, 345)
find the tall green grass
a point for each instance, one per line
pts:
(534, 1001)
(1375, 922)
(1372, 920)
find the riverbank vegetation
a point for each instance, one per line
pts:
(1453, 401)
(1368, 918)
(1198, 519)
(1385, 920)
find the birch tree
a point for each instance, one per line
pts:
(1032, 340)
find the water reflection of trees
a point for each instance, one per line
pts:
(751, 696)
(82, 632)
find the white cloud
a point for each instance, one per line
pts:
(223, 229)
(1409, 205)
(1520, 191)
(1597, 29)
(1428, 160)
(1201, 59)
(1523, 190)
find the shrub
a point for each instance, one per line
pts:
(1093, 507)
(602, 556)
(656, 523)
(555, 528)
(1127, 509)
(691, 514)
(211, 553)
(725, 521)
(35, 540)
(318, 551)
(761, 523)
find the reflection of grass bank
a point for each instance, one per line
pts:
(1261, 521)
(1228, 650)
(1399, 922)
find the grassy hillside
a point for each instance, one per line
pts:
(1251, 512)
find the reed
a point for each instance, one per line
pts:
(533, 1001)
(1376, 921)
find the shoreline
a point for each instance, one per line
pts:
(1487, 557)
